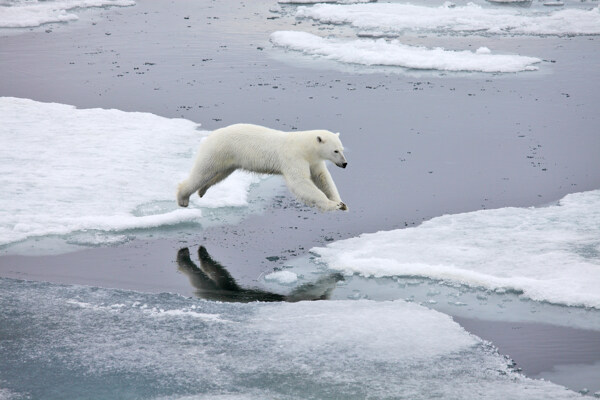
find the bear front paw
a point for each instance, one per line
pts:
(342, 206)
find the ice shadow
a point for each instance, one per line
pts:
(212, 282)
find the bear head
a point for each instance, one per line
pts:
(329, 147)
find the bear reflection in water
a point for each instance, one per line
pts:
(213, 282)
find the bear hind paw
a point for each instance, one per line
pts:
(182, 201)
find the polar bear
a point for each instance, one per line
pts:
(298, 156)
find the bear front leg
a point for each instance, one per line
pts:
(323, 180)
(309, 193)
(321, 177)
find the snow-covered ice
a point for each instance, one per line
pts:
(121, 344)
(283, 277)
(467, 19)
(31, 13)
(509, 1)
(550, 254)
(387, 20)
(384, 53)
(65, 170)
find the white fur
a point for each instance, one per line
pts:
(298, 156)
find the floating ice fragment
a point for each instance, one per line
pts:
(284, 277)
(394, 53)
(510, 1)
(468, 19)
(21, 14)
(324, 1)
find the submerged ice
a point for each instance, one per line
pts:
(549, 254)
(67, 170)
(385, 53)
(75, 340)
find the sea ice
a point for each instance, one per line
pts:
(31, 13)
(509, 1)
(550, 254)
(66, 341)
(66, 170)
(394, 53)
(324, 1)
(468, 19)
(284, 277)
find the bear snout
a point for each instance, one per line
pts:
(343, 165)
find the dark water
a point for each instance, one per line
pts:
(540, 350)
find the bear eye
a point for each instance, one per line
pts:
(335, 151)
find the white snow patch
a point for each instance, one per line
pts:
(24, 14)
(284, 277)
(550, 254)
(394, 53)
(331, 325)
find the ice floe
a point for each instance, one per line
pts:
(24, 14)
(66, 341)
(64, 170)
(448, 18)
(550, 254)
(324, 1)
(284, 277)
(383, 53)
(510, 1)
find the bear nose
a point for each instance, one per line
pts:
(344, 165)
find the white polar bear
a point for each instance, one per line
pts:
(298, 156)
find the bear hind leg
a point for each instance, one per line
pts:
(213, 180)
(199, 183)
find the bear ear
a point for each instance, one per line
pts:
(338, 134)
(319, 139)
